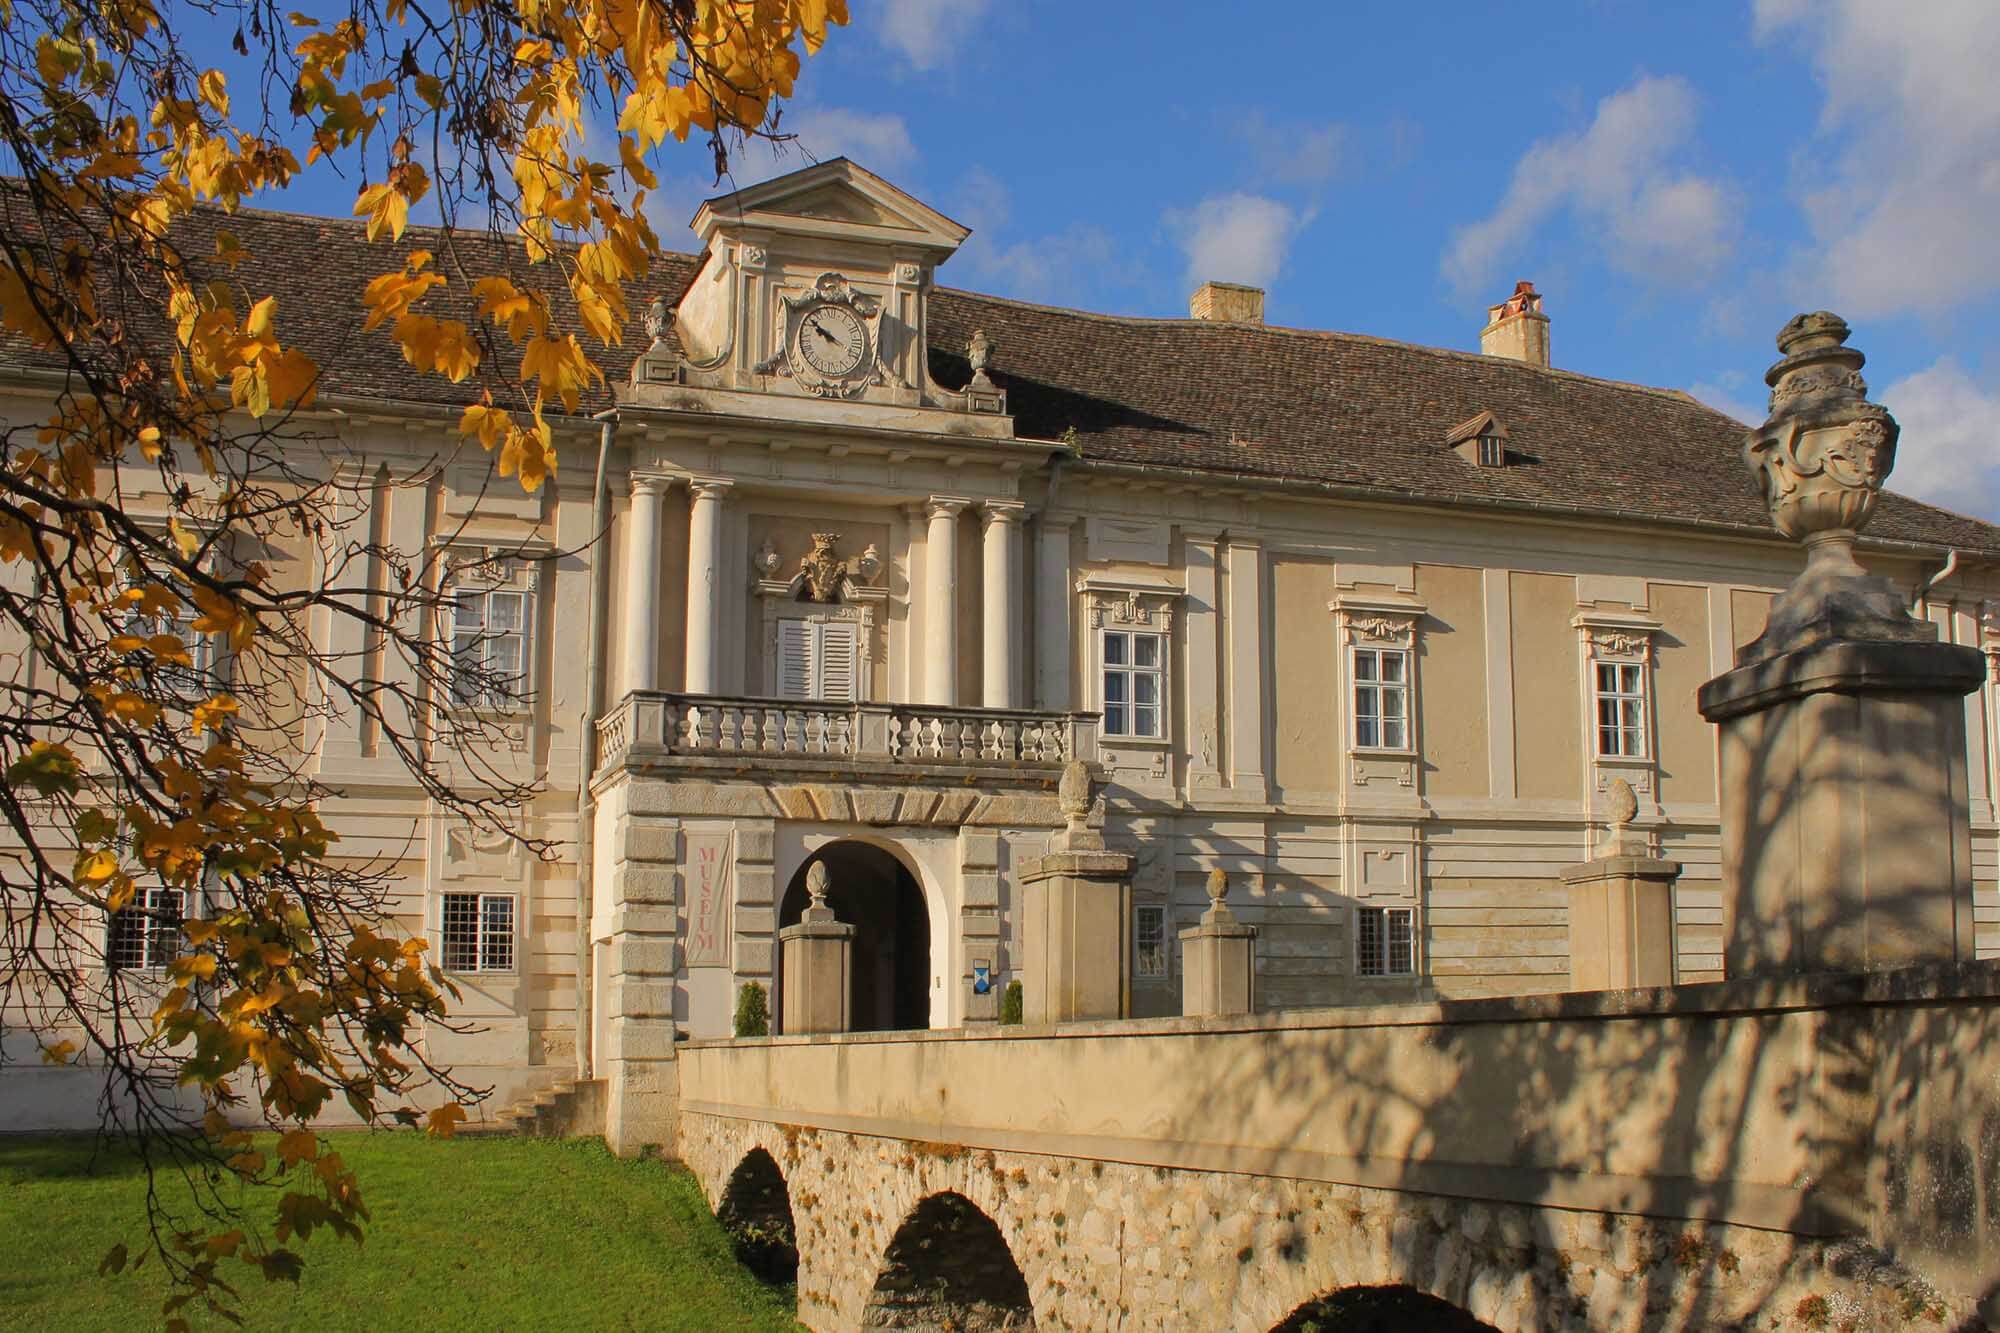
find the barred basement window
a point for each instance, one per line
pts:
(476, 932)
(1385, 941)
(148, 933)
(1149, 940)
(1621, 710)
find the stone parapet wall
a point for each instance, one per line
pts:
(1856, 1107)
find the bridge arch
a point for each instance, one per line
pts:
(949, 1266)
(756, 1211)
(1383, 1309)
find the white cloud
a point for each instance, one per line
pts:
(1618, 178)
(1294, 154)
(1946, 453)
(1054, 268)
(927, 31)
(881, 143)
(1903, 206)
(1727, 397)
(1234, 238)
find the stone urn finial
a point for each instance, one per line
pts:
(816, 885)
(1624, 806)
(658, 316)
(1820, 460)
(1218, 886)
(979, 355)
(1073, 794)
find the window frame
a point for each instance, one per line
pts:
(505, 572)
(151, 932)
(1388, 914)
(1132, 672)
(480, 942)
(1404, 688)
(1640, 697)
(1166, 964)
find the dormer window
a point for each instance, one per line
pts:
(1482, 441)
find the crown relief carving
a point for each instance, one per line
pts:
(823, 568)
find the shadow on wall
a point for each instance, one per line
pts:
(949, 1267)
(1888, 1119)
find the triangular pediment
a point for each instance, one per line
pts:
(833, 196)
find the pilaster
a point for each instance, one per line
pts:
(1248, 777)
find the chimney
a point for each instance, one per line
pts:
(1517, 329)
(1227, 303)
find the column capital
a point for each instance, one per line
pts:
(946, 506)
(650, 483)
(1001, 511)
(710, 488)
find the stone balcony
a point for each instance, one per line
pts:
(894, 742)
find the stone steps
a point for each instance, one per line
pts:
(566, 1108)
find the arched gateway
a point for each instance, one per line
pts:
(869, 889)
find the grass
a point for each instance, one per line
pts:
(468, 1234)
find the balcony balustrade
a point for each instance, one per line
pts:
(706, 730)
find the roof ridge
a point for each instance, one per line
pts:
(1333, 335)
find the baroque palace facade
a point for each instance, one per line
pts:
(1371, 627)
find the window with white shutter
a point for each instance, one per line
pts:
(818, 659)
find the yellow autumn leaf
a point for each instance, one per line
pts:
(444, 1120)
(95, 867)
(298, 1145)
(386, 208)
(59, 1052)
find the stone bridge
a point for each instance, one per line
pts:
(1818, 1152)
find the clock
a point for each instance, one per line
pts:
(832, 339)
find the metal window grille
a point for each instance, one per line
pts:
(489, 645)
(1621, 709)
(476, 932)
(1381, 699)
(1385, 941)
(1149, 940)
(148, 933)
(1134, 684)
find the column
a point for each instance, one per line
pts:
(704, 607)
(1246, 668)
(1200, 681)
(1075, 902)
(1218, 959)
(1052, 622)
(642, 585)
(817, 971)
(1001, 523)
(941, 601)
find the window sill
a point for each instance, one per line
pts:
(1149, 742)
(1375, 752)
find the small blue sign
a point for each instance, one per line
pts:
(982, 980)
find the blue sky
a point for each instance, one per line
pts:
(1678, 180)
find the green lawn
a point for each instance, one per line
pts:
(468, 1234)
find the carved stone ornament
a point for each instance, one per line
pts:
(868, 564)
(1820, 461)
(831, 335)
(1619, 643)
(979, 354)
(1622, 804)
(817, 884)
(767, 560)
(659, 315)
(1382, 629)
(1073, 793)
(823, 569)
(1218, 886)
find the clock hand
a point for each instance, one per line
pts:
(820, 329)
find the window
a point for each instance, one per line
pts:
(477, 932)
(1149, 940)
(817, 659)
(1133, 685)
(1385, 941)
(1621, 709)
(489, 644)
(147, 934)
(1381, 699)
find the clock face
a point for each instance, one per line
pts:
(833, 340)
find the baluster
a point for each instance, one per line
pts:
(818, 729)
(843, 733)
(968, 739)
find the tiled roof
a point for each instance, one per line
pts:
(1262, 403)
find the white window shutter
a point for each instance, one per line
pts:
(795, 665)
(838, 645)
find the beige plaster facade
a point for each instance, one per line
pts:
(979, 571)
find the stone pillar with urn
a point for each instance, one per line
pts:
(1845, 823)
(1075, 903)
(1621, 908)
(1218, 959)
(816, 966)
